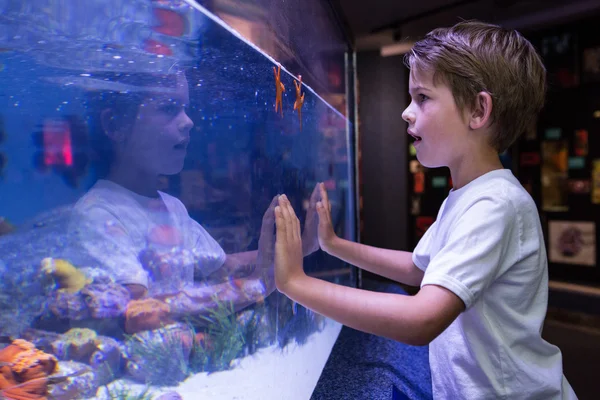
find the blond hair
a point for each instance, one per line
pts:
(473, 57)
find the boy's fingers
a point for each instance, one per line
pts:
(296, 221)
(324, 214)
(325, 198)
(315, 194)
(280, 223)
(321, 211)
(285, 211)
(282, 229)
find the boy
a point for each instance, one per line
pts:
(482, 265)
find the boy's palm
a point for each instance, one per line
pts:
(310, 234)
(288, 245)
(326, 232)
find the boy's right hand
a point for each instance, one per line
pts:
(326, 233)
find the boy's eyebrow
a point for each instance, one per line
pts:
(417, 88)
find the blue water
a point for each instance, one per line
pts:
(141, 154)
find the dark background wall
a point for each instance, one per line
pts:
(383, 141)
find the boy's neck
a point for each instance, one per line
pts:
(473, 166)
(137, 181)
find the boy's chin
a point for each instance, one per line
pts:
(429, 163)
(172, 169)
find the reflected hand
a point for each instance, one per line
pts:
(326, 232)
(288, 245)
(310, 234)
(266, 245)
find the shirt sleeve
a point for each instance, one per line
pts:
(420, 254)
(477, 248)
(104, 238)
(208, 255)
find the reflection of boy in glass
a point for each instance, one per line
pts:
(145, 238)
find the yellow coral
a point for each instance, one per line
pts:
(67, 276)
(80, 343)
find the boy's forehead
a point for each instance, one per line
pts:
(176, 91)
(420, 78)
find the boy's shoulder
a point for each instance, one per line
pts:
(501, 185)
(497, 192)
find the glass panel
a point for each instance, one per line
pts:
(142, 144)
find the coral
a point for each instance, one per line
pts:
(146, 314)
(76, 344)
(102, 353)
(67, 276)
(193, 299)
(24, 288)
(23, 371)
(29, 362)
(106, 300)
(68, 305)
(252, 289)
(41, 339)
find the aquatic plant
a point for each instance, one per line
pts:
(123, 392)
(257, 330)
(161, 356)
(225, 339)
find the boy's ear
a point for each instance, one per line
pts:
(482, 111)
(110, 127)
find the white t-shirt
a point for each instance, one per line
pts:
(152, 242)
(487, 247)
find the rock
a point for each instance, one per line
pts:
(106, 360)
(169, 396)
(106, 300)
(81, 381)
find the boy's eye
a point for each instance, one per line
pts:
(422, 98)
(171, 109)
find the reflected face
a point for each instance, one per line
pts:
(160, 134)
(434, 121)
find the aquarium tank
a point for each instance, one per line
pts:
(143, 144)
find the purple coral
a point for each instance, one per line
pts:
(68, 305)
(106, 300)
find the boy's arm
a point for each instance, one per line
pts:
(414, 320)
(393, 264)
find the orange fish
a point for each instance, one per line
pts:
(279, 89)
(299, 98)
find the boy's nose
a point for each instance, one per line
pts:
(185, 123)
(408, 115)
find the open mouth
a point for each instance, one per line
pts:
(415, 137)
(181, 145)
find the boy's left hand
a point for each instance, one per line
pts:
(288, 245)
(310, 234)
